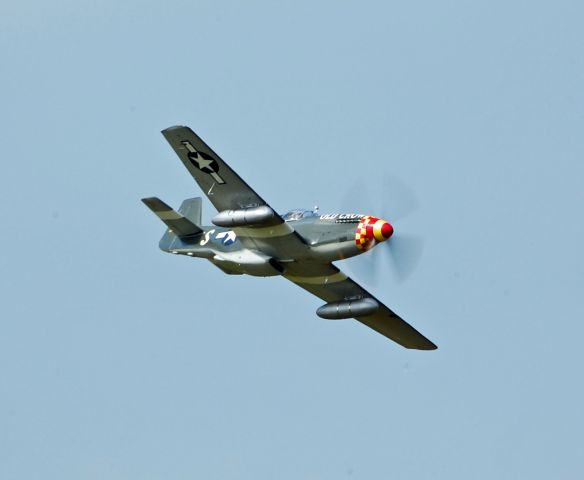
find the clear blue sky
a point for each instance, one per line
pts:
(118, 361)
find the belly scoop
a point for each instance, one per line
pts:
(247, 262)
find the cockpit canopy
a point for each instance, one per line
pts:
(298, 213)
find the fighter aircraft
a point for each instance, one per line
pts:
(249, 237)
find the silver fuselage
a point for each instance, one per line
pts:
(329, 238)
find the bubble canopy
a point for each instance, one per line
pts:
(297, 214)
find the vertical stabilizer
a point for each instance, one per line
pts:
(191, 209)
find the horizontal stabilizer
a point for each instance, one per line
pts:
(180, 225)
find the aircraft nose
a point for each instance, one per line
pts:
(382, 230)
(387, 230)
(372, 230)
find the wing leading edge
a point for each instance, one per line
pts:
(332, 285)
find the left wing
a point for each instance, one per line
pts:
(331, 285)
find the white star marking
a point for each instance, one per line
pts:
(202, 162)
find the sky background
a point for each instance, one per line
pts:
(120, 362)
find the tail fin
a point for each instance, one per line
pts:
(180, 225)
(191, 209)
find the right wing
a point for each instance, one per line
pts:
(228, 191)
(331, 285)
(225, 189)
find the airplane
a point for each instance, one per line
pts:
(249, 237)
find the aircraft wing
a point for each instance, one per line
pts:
(331, 285)
(225, 189)
(228, 191)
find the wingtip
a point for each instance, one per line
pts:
(155, 204)
(173, 128)
(149, 200)
(424, 344)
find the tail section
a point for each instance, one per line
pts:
(184, 224)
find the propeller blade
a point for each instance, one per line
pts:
(399, 200)
(365, 268)
(405, 252)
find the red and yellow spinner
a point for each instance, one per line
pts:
(370, 231)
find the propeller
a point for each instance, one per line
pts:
(400, 198)
(403, 250)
